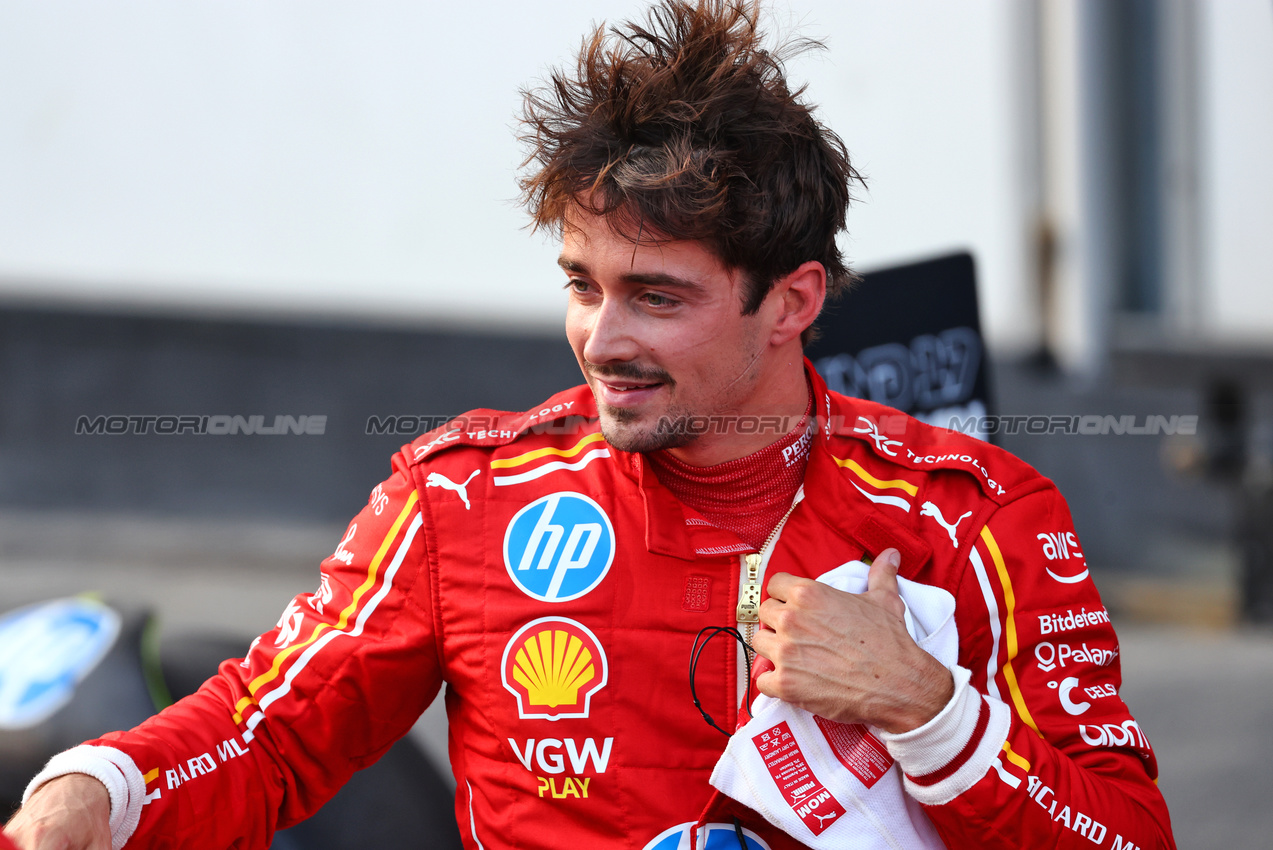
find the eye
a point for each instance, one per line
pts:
(657, 299)
(578, 286)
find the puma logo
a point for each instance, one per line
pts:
(929, 509)
(437, 479)
(822, 819)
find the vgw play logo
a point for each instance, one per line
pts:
(559, 548)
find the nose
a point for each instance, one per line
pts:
(610, 336)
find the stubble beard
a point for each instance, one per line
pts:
(629, 430)
(624, 430)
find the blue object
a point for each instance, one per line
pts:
(559, 547)
(719, 836)
(46, 649)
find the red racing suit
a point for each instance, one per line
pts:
(556, 588)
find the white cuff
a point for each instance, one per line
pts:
(114, 769)
(941, 759)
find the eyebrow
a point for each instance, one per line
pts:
(660, 279)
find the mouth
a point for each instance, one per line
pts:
(626, 390)
(624, 394)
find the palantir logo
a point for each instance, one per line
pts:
(45, 651)
(712, 836)
(560, 547)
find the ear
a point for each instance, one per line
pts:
(797, 299)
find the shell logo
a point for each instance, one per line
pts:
(553, 666)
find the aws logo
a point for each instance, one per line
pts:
(1062, 546)
(553, 666)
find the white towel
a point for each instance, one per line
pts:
(834, 785)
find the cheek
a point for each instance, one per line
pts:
(576, 329)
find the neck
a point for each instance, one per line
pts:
(769, 416)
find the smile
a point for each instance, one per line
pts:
(616, 394)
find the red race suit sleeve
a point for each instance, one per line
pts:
(263, 744)
(1037, 749)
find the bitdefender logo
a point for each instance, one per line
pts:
(553, 666)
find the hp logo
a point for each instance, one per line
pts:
(711, 836)
(559, 548)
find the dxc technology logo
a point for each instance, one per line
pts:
(559, 548)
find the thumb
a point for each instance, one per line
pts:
(883, 578)
(883, 573)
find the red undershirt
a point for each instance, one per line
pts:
(749, 495)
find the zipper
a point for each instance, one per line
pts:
(751, 576)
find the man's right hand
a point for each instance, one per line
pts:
(70, 812)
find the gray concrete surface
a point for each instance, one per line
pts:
(1205, 700)
(1204, 697)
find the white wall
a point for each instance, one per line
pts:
(1237, 145)
(357, 158)
(924, 94)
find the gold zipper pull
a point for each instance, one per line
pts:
(749, 596)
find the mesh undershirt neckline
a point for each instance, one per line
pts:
(748, 495)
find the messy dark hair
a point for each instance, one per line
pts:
(683, 127)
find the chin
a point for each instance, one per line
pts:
(627, 433)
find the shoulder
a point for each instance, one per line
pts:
(558, 423)
(940, 485)
(906, 443)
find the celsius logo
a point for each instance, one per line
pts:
(711, 836)
(1067, 702)
(560, 547)
(1071, 684)
(553, 666)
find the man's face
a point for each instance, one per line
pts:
(658, 330)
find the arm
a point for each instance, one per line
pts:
(262, 745)
(1018, 755)
(1070, 767)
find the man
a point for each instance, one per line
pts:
(555, 567)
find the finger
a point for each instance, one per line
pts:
(769, 610)
(767, 683)
(764, 642)
(780, 585)
(883, 573)
(881, 583)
